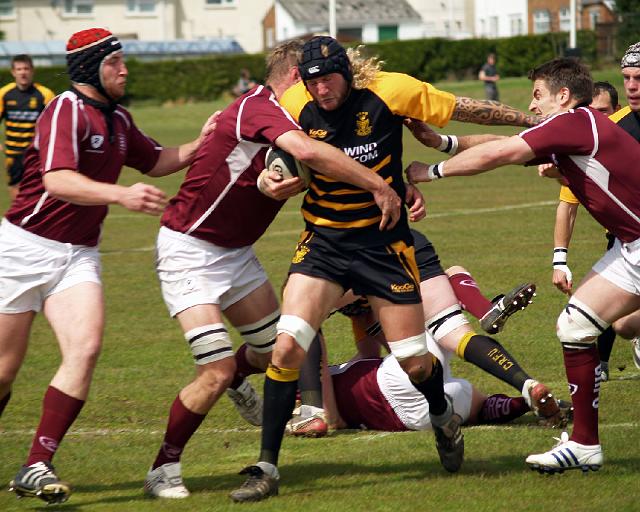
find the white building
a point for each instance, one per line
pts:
(500, 18)
(446, 18)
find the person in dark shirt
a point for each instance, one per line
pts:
(489, 75)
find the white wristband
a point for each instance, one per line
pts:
(448, 144)
(435, 171)
(560, 256)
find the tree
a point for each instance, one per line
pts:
(628, 12)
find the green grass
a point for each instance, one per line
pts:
(498, 225)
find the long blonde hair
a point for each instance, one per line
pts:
(364, 68)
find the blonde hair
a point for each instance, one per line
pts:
(282, 58)
(364, 68)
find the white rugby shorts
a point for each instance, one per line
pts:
(33, 268)
(621, 266)
(409, 404)
(194, 272)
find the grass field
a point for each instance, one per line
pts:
(498, 225)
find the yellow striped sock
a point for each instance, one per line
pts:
(282, 374)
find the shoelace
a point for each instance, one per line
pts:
(564, 438)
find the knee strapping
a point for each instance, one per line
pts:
(209, 343)
(445, 322)
(578, 325)
(261, 335)
(409, 347)
(298, 328)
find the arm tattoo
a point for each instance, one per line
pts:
(468, 110)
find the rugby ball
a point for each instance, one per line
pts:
(288, 167)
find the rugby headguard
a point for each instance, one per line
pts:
(323, 55)
(631, 58)
(86, 50)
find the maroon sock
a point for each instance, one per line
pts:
(182, 425)
(4, 402)
(583, 374)
(502, 409)
(59, 411)
(243, 367)
(469, 295)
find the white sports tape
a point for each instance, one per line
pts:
(209, 343)
(578, 326)
(298, 329)
(448, 144)
(434, 171)
(445, 322)
(409, 347)
(261, 335)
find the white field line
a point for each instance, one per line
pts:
(291, 232)
(370, 433)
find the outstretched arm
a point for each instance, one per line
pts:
(489, 112)
(450, 144)
(476, 160)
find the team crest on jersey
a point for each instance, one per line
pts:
(96, 141)
(33, 102)
(318, 133)
(363, 124)
(301, 252)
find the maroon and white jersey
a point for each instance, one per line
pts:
(359, 398)
(73, 135)
(599, 161)
(219, 201)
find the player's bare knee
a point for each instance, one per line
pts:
(626, 329)
(209, 343)
(417, 368)
(260, 336)
(216, 377)
(456, 269)
(578, 326)
(411, 354)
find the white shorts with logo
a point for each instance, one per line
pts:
(408, 403)
(33, 268)
(194, 272)
(621, 266)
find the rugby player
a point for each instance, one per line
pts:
(21, 102)
(605, 100)
(49, 237)
(361, 110)
(205, 260)
(597, 160)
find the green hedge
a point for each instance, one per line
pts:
(427, 59)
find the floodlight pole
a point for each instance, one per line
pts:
(332, 19)
(572, 26)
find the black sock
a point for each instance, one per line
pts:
(605, 343)
(488, 354)
(4, 401)
(309, 383)
(279, 401)
(433, 390)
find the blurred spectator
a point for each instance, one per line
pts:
(245, 83)
(489, 75)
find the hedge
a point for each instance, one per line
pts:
(427, 59)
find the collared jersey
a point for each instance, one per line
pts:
(599, 162)
(626, 119)
(219, 201)
(368, 127)
(20, 109)
(73, 135)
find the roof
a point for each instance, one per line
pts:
(609, 4)
(351, 11)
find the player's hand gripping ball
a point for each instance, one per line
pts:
(288, 167)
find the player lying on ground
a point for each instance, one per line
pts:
(598, 160)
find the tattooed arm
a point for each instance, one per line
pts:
(469, 110)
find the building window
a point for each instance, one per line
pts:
(594, 18)
(493, 26)
(541, 22)
(515, 25)
(141, 6)
(220, 3)
(7, 8)
(78, 7)
(564, 16)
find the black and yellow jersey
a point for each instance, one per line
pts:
(367, 127)
(20, 109)
(629, 121)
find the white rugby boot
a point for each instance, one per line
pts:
(247, 402)
(567, 455)
(166, 482)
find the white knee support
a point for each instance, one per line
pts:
(209, 343)
(578, 326)
(298, 329)
(261, 335)
(445, 322)
(409, 347)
